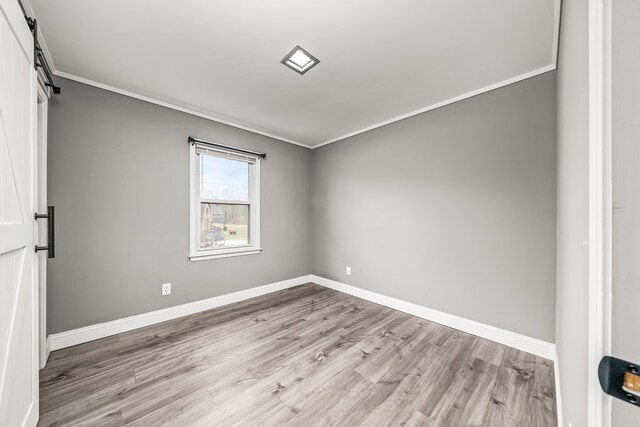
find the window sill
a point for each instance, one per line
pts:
(226, 254)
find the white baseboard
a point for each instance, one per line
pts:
(511, 339)
(47, 352)
(521, 342)
(102, 330)
(48, 348)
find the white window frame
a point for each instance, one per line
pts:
(198, 254)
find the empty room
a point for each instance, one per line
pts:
(319, 213)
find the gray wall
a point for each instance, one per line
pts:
(119, 178)
(626, 193)
(454, 209)
(573, 210)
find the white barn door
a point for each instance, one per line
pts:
(18, 292)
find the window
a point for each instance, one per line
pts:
(225, 208)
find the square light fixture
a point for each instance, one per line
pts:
(299, 60)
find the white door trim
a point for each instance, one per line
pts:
(41, 226)
(599, 336)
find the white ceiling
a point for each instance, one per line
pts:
(379, 60)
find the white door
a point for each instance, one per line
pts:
(625, 132)
(18, 291)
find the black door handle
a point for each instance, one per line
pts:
(51, 235)
(618, 379)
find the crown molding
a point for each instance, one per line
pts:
(186, 110)
(557, 7)
(208, 116)
(174, 107)
(467, 95)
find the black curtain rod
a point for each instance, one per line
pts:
(193, 140)
(39, 59)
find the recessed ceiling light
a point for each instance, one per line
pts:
(299, 60)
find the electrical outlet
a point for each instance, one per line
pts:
(166, 289)
(348, 271)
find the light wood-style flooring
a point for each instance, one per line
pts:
(305, 356)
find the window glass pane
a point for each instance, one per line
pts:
(223, 225)
(223, 179)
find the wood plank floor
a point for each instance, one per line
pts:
(304, 356)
